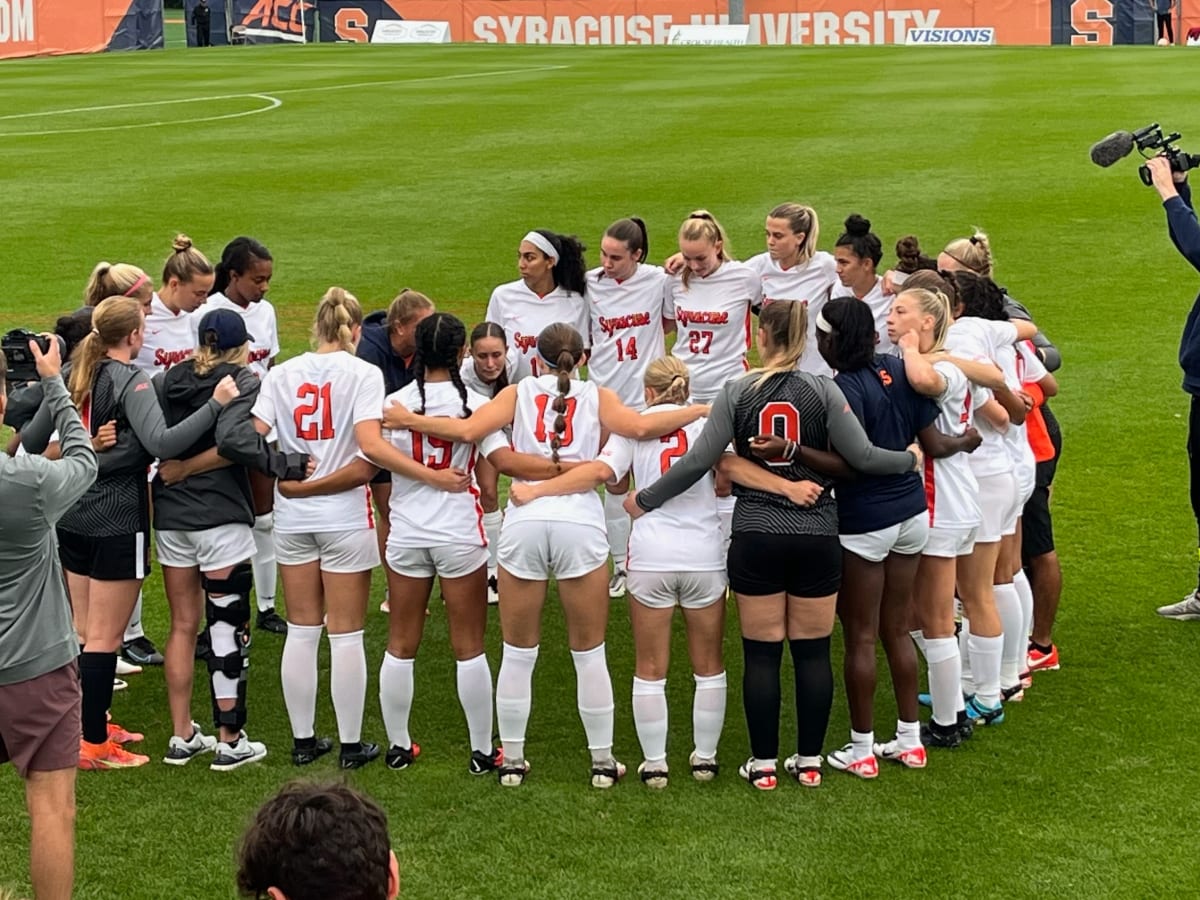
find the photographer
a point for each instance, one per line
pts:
(1185, 234)
(39, 675)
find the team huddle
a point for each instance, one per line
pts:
(888, 464)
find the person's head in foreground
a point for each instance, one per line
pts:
(315, 841)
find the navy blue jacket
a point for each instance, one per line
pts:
(1185, 233)
(375, 348)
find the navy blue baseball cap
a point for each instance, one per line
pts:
(223, 329)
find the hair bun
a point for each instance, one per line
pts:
(182, 243)
(857, 226)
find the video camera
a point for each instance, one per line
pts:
(1149, 141)
(22, 367)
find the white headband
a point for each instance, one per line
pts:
(542, 242)
(823, 323)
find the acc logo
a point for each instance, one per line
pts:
(270, 14)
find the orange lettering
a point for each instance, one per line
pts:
(348, 23)
(1092, 22)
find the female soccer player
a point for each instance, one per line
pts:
(118, 280)
(858, 252)
(170, 333)
(202, 529)
(439, 534)
(626, 300)
(326, 403)
(491, 366)
(784, 561)
(103, 539)
(657, 581)
(243, 277)
(560, 536)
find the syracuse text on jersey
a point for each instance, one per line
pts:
(611, 326)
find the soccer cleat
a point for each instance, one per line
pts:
(761, 777)
(1027, 679)
(180, 752)
(703, 768)
(402, 757)
(925, 699)
(934, 734)
(119, 735)
(607, 773)
(653, 776)
(481, 763)
(493, 590)
(966, 727)
(108, 756)
(309, 750)
(269, 620)
(1014, 694)
(844, 760)
(809, 776)
(1048, 662)
(232, 756)
(513, 774)
(349, 758)
(125, 667)
(141, 652)
(119, 684)
(616, 584)
(909, 757)
(984, 715)
(1186, 610)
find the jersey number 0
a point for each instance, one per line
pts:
(782, 419)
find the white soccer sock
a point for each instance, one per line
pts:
(348, 683)
(985, 665)
(491, 529)
(298, 672)
(908, 734)
(618, 525)
(650, 717)
(134, 630)
(708, 713)
(964, 637)
(475, 695)
(224, 643)
(945, 678)
(725, 506)
(862, 742)
(395, 698)
(918, 638)
(1008, 607)
(1025, 592)
(594, 695)
(514, 693)
(263, 563)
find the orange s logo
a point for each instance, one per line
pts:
(886, 377)
(349, 22)
(1092, 23)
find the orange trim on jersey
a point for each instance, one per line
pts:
(1035, 425)
(474, 489)
(930, 489)
(370, 508)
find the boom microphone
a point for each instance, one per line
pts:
(1108, 150)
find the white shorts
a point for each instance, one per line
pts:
(950, 543)
(907, 538)
(210, 549)
(1025, 481)
(535, 550)
(447, 561)
(997, 501)
(666, 590)
(339, 552)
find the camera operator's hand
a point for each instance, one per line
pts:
(1162, 177)
(49, 364)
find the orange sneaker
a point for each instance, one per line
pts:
(119, 735)
(1043, 662)
(108, 755)
(845, 761)
(910, 757)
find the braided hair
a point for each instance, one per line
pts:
(562, 346)
(492, 330)
(440, 340)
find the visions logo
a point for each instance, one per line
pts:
(951, 36)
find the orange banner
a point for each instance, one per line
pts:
(49, 27)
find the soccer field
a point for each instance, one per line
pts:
(380, 168)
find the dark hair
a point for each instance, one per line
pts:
(632, 232)
(979, 296)
(73, 328)
(491, 330)
(860, 239)
(439, 338)
(929, 280)
(852, 340)
(570, 271)
(562, 346)
(238, 256)
(911, 259)
(316, 841)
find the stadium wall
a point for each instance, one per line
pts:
(51, 27)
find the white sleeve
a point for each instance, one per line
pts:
(274, 334)
(493, 310)
(368, 401)
(1035, 371)
(583, 321)
(617, 454)
(517, 365)
(669, 298)
(264, 403)
(491, 443)
(1003, 333)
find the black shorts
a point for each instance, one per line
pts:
(383, 476)
(122, 557)
(1037, 528)
(803, 565)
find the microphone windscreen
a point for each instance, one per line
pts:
(1108, 150)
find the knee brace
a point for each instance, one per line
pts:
(235, 614)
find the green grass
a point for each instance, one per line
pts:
(394, 167)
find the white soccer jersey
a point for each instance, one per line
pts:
(982, 339)
(260, 323)
(514, 364)
(881, 305)
(169, 338)
(1028, 368)
(712, 315)
(684, 534)
(421, 515)
(811, 283)
(523, 314)
(533, 429)
(627, 330)
(951, 491)
(313, 402)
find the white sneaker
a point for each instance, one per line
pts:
(232, 756)
(703, 767)
(653, 775)
(180, 752)
(1186, 610)
(125, 667)
(616, 584)
(119, 685)
(608, 773)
